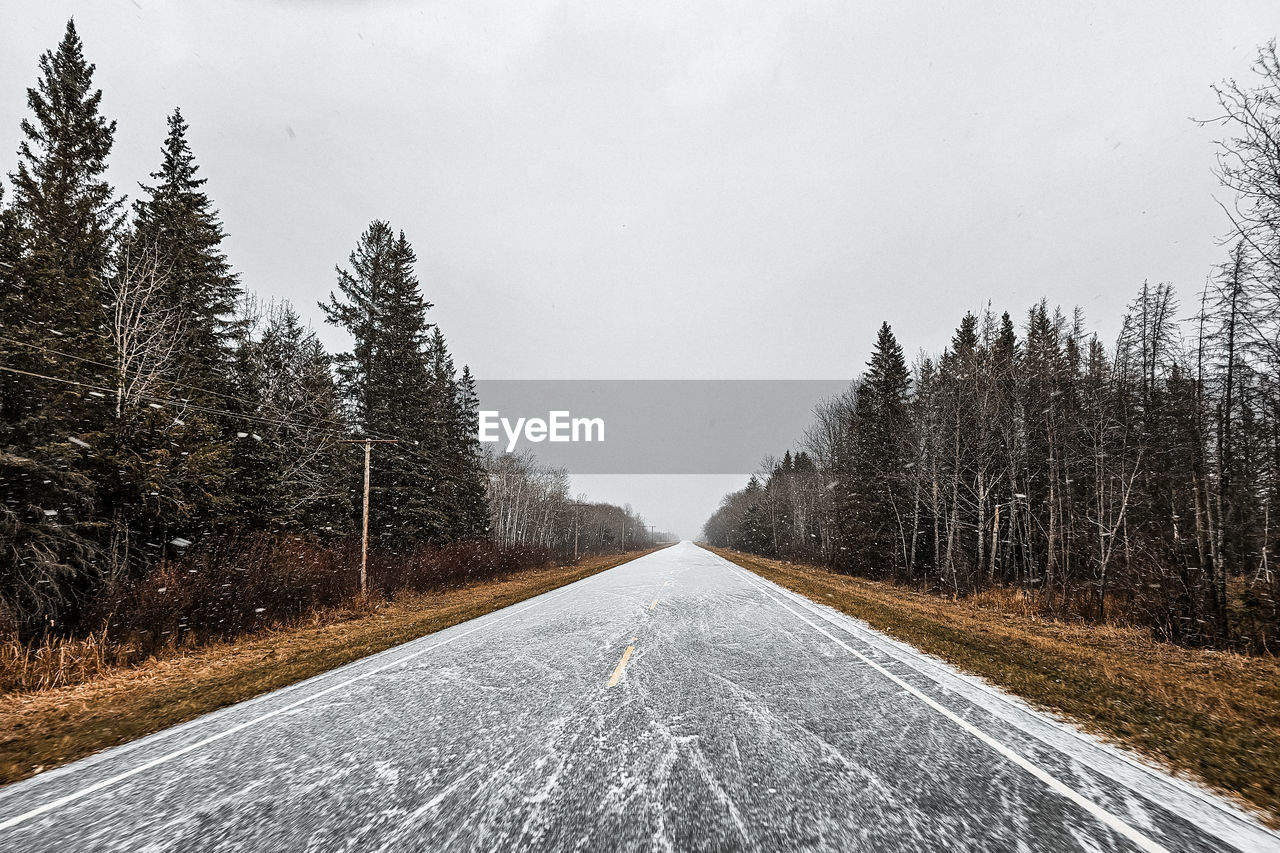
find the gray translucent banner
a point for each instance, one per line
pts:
(657, 426)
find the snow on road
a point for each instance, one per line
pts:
(676, 702)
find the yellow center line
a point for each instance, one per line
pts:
(655, 604)
(622, 664)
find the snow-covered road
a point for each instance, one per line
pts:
(676, 702)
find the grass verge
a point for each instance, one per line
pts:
(1210, 715)
(41, 730)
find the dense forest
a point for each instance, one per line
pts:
(1134, 481)
(170, 443)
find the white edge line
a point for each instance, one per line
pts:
(1244, 826)
(1102, 815)
(9, 823)
(1234, 824)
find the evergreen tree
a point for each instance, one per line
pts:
(416, 489)
(169, 467)
(57, 241)
(179, 221)
(66, 219)
(400, 382)
(753, 528)
(473, 506)
(12, 304)
(870, 494)
(256, 468)
(360, 313)
(1005, 348)
(964, 343)
(459, 480)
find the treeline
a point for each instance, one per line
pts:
(146, 403)
(1135, 481)
(531, 505)
(154, 415)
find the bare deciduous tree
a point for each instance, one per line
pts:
(145, 330)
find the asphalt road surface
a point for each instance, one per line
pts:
(676, 702)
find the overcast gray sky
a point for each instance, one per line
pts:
(667, 190)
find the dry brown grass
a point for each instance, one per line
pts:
(233, 585)
(42, 729)
(1209, 714)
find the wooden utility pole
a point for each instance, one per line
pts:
(364, 540)
(577, 512)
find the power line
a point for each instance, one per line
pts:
(163, 400)
(173, 382)
(340, 436)
(339, 424)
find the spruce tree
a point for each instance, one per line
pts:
(170, 466)
(442, 435)
(456, 444)
(56, 243)
(416, 489)
(256, 466)
(473, 505)
(964, 343)
(400, 383)
(870, 491)
(179, 221)
(1005, 348)
(64, 221)
(359, 312)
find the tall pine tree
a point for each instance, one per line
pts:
(65, 220)
(179, 221)
(58, 237)
(871, 503)
(472, 504)
(168, 477)
(399, 381)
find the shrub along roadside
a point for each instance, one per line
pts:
(230, 586)
(1212, 715)
(41, 730)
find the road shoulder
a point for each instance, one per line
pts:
(49, 728)
(1210, 716)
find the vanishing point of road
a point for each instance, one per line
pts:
(676, 702)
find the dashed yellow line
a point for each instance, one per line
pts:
(622, 664)
(655, 604)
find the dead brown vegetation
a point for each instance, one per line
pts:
(42, 729)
